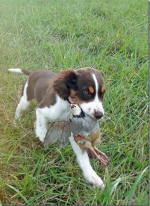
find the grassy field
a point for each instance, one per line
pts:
(55, 35)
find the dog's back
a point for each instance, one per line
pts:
(38, 84)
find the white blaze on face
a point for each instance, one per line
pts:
(95, 105)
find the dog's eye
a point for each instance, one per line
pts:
(86, 92)
(91, 89)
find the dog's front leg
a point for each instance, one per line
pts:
(40, 125)
(84, 163)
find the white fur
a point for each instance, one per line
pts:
(84, 163)
(17, 70)
(60, 110)
(95, 105)
(40, 125)
(23, 103)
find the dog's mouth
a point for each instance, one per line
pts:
(90, 116)
(95, 117)
(78, 112)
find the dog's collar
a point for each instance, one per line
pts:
(82, 114)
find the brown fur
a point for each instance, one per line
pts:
(38, 83)
(65, 81)
(102, 90)
(74, 97)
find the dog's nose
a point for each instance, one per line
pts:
(98, 115)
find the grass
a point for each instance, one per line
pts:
(108, 35)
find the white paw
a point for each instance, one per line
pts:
(40, 132)
(40, 135)
(94, 179)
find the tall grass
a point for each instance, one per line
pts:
(55, 35)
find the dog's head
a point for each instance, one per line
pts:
(84, 86)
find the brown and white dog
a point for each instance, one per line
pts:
(54, 92)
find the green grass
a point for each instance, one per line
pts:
(108, 35)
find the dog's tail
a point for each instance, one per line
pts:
(18, 70)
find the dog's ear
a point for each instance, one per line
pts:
(65, 81)
(102, 73)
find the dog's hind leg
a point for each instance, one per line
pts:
(23, 103)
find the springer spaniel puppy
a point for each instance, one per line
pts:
(54, 93)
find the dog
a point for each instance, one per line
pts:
(54, 94)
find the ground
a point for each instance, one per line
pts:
(108, 35)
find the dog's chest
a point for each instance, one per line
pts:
(60, 111)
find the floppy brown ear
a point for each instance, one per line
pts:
(66, 81)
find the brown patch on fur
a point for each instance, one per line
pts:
(39, 83)
(72, 93)
(91, 89)
(74, 98)
(40, 87)
(103, 90)
(65, 81)
(49, 99)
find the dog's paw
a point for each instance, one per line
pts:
(41, 136)
(93, 179)
(40, 132)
